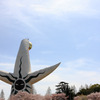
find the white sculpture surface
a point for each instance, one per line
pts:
(22, 78)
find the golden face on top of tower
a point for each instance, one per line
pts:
(30, 45)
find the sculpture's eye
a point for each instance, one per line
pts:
(19, 84)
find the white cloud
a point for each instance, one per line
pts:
(79, 72)
(8, 67)
(25, 9)
(82, 63)
(59, 7)
(7, 57)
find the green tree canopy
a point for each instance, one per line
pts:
(89, 89)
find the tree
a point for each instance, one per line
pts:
(89, 89)
(95, 88)
(63, 87)
(2, 94)
(48, 91)
(34, 90)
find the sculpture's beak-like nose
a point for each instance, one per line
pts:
(30, 45)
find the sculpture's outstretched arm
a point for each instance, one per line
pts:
(6, 77)
(38, 75)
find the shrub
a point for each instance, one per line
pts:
(1, 99)
(27, 96)
(82, 97)
(94, 96)
(48, 97)
(59, 96)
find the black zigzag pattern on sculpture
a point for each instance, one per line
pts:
(20, 75)
(33, 77)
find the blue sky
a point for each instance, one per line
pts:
(65, 31)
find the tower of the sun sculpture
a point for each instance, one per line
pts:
(22, 78)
